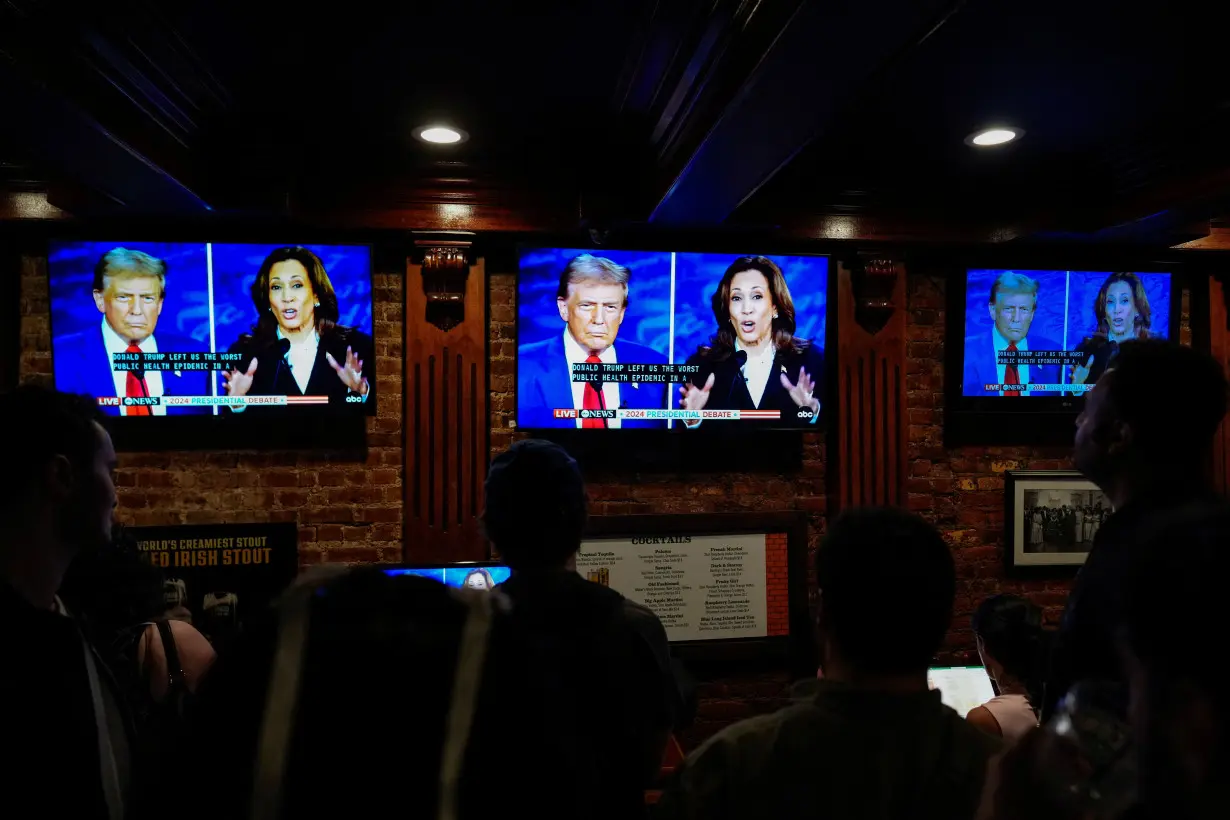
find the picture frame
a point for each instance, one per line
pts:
(1050, 519)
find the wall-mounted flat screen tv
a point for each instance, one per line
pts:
(201, 328)
(1033, 334)
(626, 339)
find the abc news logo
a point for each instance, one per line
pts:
(565, 413)
(128, 401)
(806, 413)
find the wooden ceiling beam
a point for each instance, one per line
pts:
(818, 65)
(107, 97)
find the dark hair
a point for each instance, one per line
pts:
(1144, 319)
(486, 576)
(113, 588)
(1161, 426)
(266, 327)
(535, 505)
(46, 423)
(722, 343)
(887, 584)
(1011, 630)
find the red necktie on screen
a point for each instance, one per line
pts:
(591, 400)
(135, 388)
(1011, 374)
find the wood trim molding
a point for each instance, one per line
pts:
(447, 423)
(1219, 346)
(871, 353)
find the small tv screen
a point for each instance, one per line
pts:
(962, 688)
(625, 339)
(1053, 333)
(203, 328)
(471, 576)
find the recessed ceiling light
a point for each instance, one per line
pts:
(988, 137)
(440, 134)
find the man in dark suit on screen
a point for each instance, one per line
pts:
(592, 299)
(129, 288)
(1012, 304)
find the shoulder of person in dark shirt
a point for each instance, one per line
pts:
(577, 609)
(1084, 646)
(618, 644)
(674, 706)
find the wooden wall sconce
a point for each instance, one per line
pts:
(871, 355)
(445, 272)
(446, 405)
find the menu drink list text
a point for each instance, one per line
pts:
(702, 587)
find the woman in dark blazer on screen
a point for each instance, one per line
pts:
(754, 361)
(1121, 313)
(296, 347)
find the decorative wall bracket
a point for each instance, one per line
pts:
(874, 282)
(445, 400)
(445, 266)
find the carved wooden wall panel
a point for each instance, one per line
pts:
(871, 396)
(446, 424)
(1219, 344)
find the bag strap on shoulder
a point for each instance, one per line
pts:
(175, 670)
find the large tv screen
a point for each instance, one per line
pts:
(202, 328)
(611, 339)
(1053, 333)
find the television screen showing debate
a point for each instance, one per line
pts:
(1055, 332)
(611, 339)
(201, 328)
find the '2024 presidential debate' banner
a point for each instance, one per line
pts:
(219, 575)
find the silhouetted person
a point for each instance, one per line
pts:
(873, 741)
(613, 652)
(357, 673)
(1012, 646)
(119, 599)
(1148, 448)
(64, 726)
(1175, 621)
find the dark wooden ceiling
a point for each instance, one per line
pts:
(815, 120)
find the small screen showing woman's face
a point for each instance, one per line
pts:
(1120, 308)
(290, 295)
(475, 580)
(751, 306)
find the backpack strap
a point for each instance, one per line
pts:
(175, 670)
(281, 703)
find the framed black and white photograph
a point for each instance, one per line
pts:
(1050, 518)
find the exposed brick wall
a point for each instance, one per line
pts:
(777, 583)
(347, 511)
(353, 512)
(962, 490)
